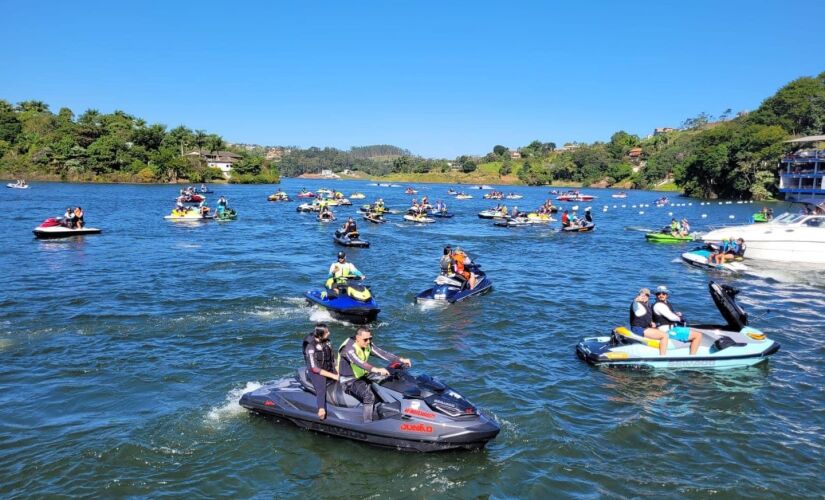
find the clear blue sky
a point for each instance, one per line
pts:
(439, 78)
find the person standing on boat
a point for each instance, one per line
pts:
(320, 365)
(668, 321)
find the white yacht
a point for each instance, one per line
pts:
(788, 238)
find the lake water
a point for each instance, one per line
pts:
(123, 355)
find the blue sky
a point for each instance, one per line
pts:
(439, 78)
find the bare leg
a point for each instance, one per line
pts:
(695, 339)
(653, 333)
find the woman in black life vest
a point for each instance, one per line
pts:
(320, 365)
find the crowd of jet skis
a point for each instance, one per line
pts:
(345, 392)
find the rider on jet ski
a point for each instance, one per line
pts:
(668, 321)
(353, 364)
(339, 272)
(349, 227)
(320, 366)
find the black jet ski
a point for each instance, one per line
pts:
(412, 413)
(352, 239)
(452, 289)
(352, 302)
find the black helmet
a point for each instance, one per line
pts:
(342, 255)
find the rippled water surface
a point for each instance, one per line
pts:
(122, 356)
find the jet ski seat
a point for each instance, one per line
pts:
(335, 391)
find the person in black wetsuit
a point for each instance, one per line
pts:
(320, 366)
(349, 227)
(353, 367)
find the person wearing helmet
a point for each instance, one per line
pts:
(669, 321)
(339, 273)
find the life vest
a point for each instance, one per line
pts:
(643, 321)
(740, 250)
(362, 353)
(458, 258)
(322, 353)
(445, 263)
(658, 318)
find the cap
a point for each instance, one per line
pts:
(342, 255)
(662, 289)
(644, 291)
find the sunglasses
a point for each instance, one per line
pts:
(367, 338)
(662, 293)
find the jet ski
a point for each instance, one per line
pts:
(189, 214)
(700, 257)
(371, 208)
(226, 214)
(463, 196)
(513, 196)
(441, 214)
(579, 228)
(353, 303)
(732, 345)
(357, 196)
(493, 214)
(192, 198)
(665, 236)
(325, 217)
(412, 413)
(308, 207)
(421, 219)
(53, 228)
(279, 196)
(450, 289)
(375, 218)
(535, 218)
(17, 185)
(352, 239)
(519, 221)
(306, 194)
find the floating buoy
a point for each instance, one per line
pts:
(670, 214)
(690, 204)
(704, 216)
(731, 216)
(633, 206)
(641, 212)
(624, 206)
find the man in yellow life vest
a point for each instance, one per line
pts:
(340, 272)
(353, 365)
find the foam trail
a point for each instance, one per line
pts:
(230, 407)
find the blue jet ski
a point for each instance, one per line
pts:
(452, 288)
(346, 302)
(441, 214)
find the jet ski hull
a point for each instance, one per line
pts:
(55, 232)
(579, 229)
(405, 424)
(605, 351)
(701, 258)
(452, 294)
(345, 308)
(350, 242)
(667, 238)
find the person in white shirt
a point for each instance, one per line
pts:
(668, 321)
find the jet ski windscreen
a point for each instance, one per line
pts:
(724, 297)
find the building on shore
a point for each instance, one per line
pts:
(222, 160)
(802, 173)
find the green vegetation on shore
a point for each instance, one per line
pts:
(707, 157)
(94, 147)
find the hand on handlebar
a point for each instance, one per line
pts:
(381, 371)
(406, 361)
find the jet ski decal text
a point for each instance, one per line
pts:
(417, 428)
(419, 413)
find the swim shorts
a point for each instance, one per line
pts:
(638, 330)
(680, 333)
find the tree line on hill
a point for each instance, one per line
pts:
(114, 147)
(708, 157)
